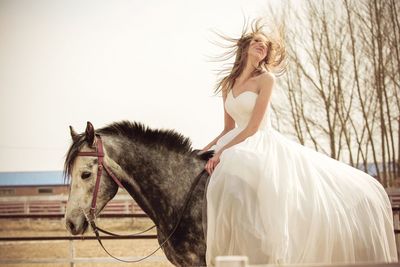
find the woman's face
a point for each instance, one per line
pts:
(258, 47)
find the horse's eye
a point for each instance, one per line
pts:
(85, 175)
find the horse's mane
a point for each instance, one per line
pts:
(137, 131)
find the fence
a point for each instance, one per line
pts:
(72, 259)
(53, 207)
(56, 205)
(120, 207)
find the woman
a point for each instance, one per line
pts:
(276, 201)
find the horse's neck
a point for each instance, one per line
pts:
(158, 179)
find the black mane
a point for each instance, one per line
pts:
(138, 131)
(170, 139)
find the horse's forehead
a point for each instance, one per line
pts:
(84, 161)
(85, 147)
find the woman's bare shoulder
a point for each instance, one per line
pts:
(265, 79)
(266, 76)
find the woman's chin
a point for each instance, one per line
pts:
(257, 56)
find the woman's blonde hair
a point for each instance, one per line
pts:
(274, 61)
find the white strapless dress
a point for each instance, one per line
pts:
(277, 201)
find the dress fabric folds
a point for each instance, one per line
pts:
(277, 201)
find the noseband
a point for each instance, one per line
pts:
(99, 153)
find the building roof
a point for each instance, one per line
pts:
(31, 178)
(371, 168)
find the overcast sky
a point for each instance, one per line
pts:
(67, 62)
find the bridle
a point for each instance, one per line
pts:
(91, 217)
(99, 153)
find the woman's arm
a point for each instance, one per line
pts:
(266, 84)
(213, 142)
(229, 124)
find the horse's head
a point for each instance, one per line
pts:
(82, 169)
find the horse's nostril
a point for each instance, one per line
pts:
(71, 226)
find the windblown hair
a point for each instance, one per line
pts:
(274, 61)
(136, 132)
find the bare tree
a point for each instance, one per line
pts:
(342, 84)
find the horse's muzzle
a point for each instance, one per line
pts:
(76, 229)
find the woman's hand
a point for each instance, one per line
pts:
(212, 163)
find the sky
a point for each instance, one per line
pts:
(68, 62)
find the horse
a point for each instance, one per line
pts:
(157, 167)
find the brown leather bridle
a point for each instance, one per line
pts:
(99, 153)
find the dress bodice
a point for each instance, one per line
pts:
(240, 108)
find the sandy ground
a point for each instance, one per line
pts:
(55, 253)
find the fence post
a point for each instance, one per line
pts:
(27, 210)
(71, 253)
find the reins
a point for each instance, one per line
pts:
(91, 217)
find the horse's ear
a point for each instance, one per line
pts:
(89, 133)
(74, 134)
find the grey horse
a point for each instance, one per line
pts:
(157, 167)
